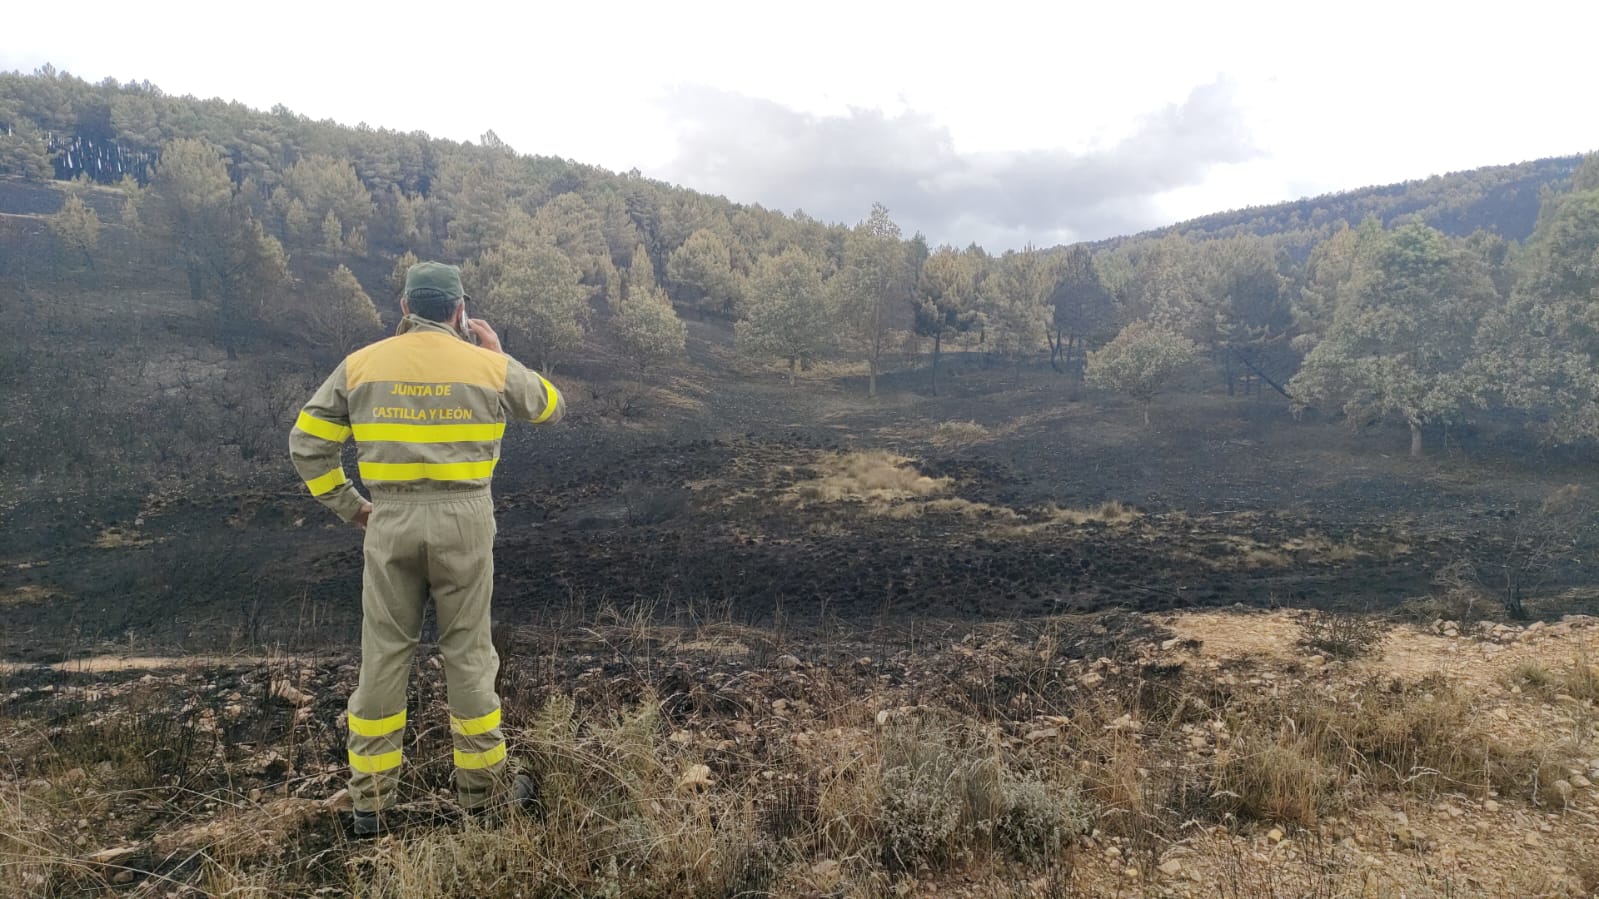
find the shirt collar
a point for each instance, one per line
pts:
(414, 322)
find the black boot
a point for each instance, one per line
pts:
(523, 796)
(368, 824)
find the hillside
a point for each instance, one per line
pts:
(1500, 199)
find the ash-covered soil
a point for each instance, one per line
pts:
(1229, 501)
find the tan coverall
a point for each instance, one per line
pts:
(427, 410)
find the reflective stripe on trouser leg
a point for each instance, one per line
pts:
(393, 591)
(461, 570)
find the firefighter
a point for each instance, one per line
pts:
(427, 409)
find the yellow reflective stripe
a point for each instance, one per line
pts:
(317, 427)
(434, 471)
(480, 759)
(327, 483)
(398, 433)
(471, 727)
(374, 764)
(552, 398)
(377, 727)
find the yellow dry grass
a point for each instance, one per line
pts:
(871, 477)
(28, 594)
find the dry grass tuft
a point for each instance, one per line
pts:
(954, 505)
(867, 477)
(36, 851)
(1581, 680)
(1113, 512)
(28, 594)
(1277, 777)
(958, 435)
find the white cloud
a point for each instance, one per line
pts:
(836, 166)
(1014, 108)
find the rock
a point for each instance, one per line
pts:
(696, 777)
(1275, 835)
(780, 706)
(269, 764)
(788, 662)
(826, 868)
(1130, 873)
(289, 693)
(1091, 679)
(124, 876)
(1580, 782)
(1169, 645)
(338, 802)
(1488, 805)
(1043, 733)
(72, 777)
(111, 856)
(864, 664)
(1171, 867)
(1113, 852)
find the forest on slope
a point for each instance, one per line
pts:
(1372, 304)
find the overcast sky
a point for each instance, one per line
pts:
(994, 121)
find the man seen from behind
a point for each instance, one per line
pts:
(427, 410)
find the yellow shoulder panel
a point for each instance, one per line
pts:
(425, 356)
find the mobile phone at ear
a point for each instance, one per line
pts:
(466, 325)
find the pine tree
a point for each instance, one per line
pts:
(788, 317)
(22, 145)
(873, 289)
(1081, 306)
(77, 227)
(1539, 353)
(342, 316)
(1014, 302)
(648, 326)
(1139, 361)
(1403, 341)
(529, 285)
(946, 298)
(701, 271)
(189, 198)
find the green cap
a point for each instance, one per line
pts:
(433, 279)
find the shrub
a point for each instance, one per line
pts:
(1341, 636)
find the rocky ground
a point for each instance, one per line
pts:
(1188, 754)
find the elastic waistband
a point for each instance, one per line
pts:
(390, 495)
